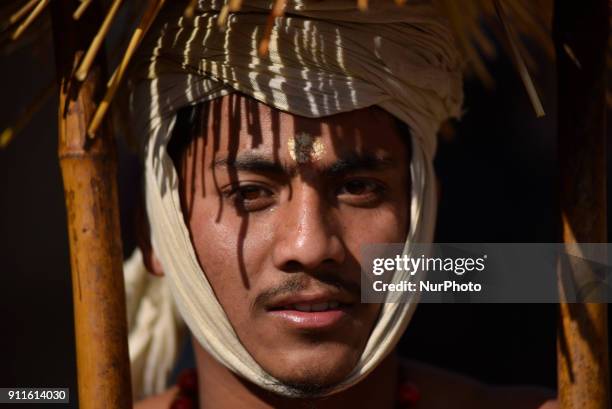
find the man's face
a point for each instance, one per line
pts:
(278, 207)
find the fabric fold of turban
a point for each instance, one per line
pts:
(325, 57)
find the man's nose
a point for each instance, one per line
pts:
(308, 235)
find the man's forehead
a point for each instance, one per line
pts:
(246, 121)
(257, 130)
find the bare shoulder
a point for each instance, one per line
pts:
(161, 401)
(441, 388)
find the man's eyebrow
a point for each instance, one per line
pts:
(250, 162)
(353, 162)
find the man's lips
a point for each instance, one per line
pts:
(311, 310)
(310, 320)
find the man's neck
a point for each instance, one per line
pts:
(219, 388)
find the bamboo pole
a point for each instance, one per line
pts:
(582, 342)
(89, 174)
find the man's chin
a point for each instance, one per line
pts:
(314, 377)
(306, 390)
(313, 386)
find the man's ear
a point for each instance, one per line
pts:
(143, 238)
(151, 262)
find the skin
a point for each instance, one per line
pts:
(283, 227)
(267, 222)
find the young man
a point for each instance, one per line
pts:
(257, 219)
(278, 210)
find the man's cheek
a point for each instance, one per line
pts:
(385, 226)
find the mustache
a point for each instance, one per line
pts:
(302, 281)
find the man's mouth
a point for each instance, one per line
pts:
(319, 307)
(311, 312)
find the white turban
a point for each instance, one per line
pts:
(325, 57)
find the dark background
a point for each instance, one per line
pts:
(497, 177)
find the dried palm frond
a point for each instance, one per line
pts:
(36, 11)
(470, 20)
(153, 8)
(362, 5)
(18, 12)
(190, 9)
(473, 22)
(81, 9)
(97, 42)
(277, 11)
(520, 62)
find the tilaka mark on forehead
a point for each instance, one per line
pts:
(304, 148)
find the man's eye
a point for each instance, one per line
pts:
(360, 191)
(358, 187)
(251, 192)
(251, 197)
